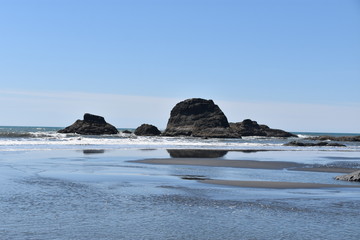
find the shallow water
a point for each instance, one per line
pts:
(101, 194)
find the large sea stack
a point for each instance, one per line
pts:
(91, 125)
(198, 118)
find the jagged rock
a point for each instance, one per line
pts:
(309, 144)
(91, 125)
(252, 128)
(198, 118)
(354, 177)
(147, 130)
(333, 138)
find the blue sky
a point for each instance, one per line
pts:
(293, 64)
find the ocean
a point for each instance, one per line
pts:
(69, 186)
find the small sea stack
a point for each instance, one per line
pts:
(147, 130)
(90, 125)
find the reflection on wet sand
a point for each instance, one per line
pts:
(202, 153)
(93, 151)
(254, 164)
(196, 153)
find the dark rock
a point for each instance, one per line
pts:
(196, 153)
(309, 144)
(93, 151)
(91, 125)
(198, 118)
(194, 177)
(127, 132)
(340, 139)
(248, 128)
(147, 130)
(90, 118)
(216, 133)
(354, 177)
(252, 128)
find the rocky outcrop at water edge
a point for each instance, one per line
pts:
(333, 138)
(353, 177)
(252, 128)
(317, 144)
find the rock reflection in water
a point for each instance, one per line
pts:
(196, 153)
(93, 151)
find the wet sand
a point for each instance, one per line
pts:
(273, 165)
(325, 169)
(209, 162)
(276, 185)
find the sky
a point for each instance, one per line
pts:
(290, 64)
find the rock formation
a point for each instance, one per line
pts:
(198, 118)
(333, 138)
(252, 128)
(147, 130)
(309, 144)
(91, 125)
(354, 177)
(202, 118)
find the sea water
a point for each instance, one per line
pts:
(47, 138)
(68, 186)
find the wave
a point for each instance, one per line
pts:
(26, 134)
(80, 142)
(57, 135)
(20, 135)
(31, 138)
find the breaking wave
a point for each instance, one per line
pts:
(35, 138)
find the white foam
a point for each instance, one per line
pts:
(53, 140)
